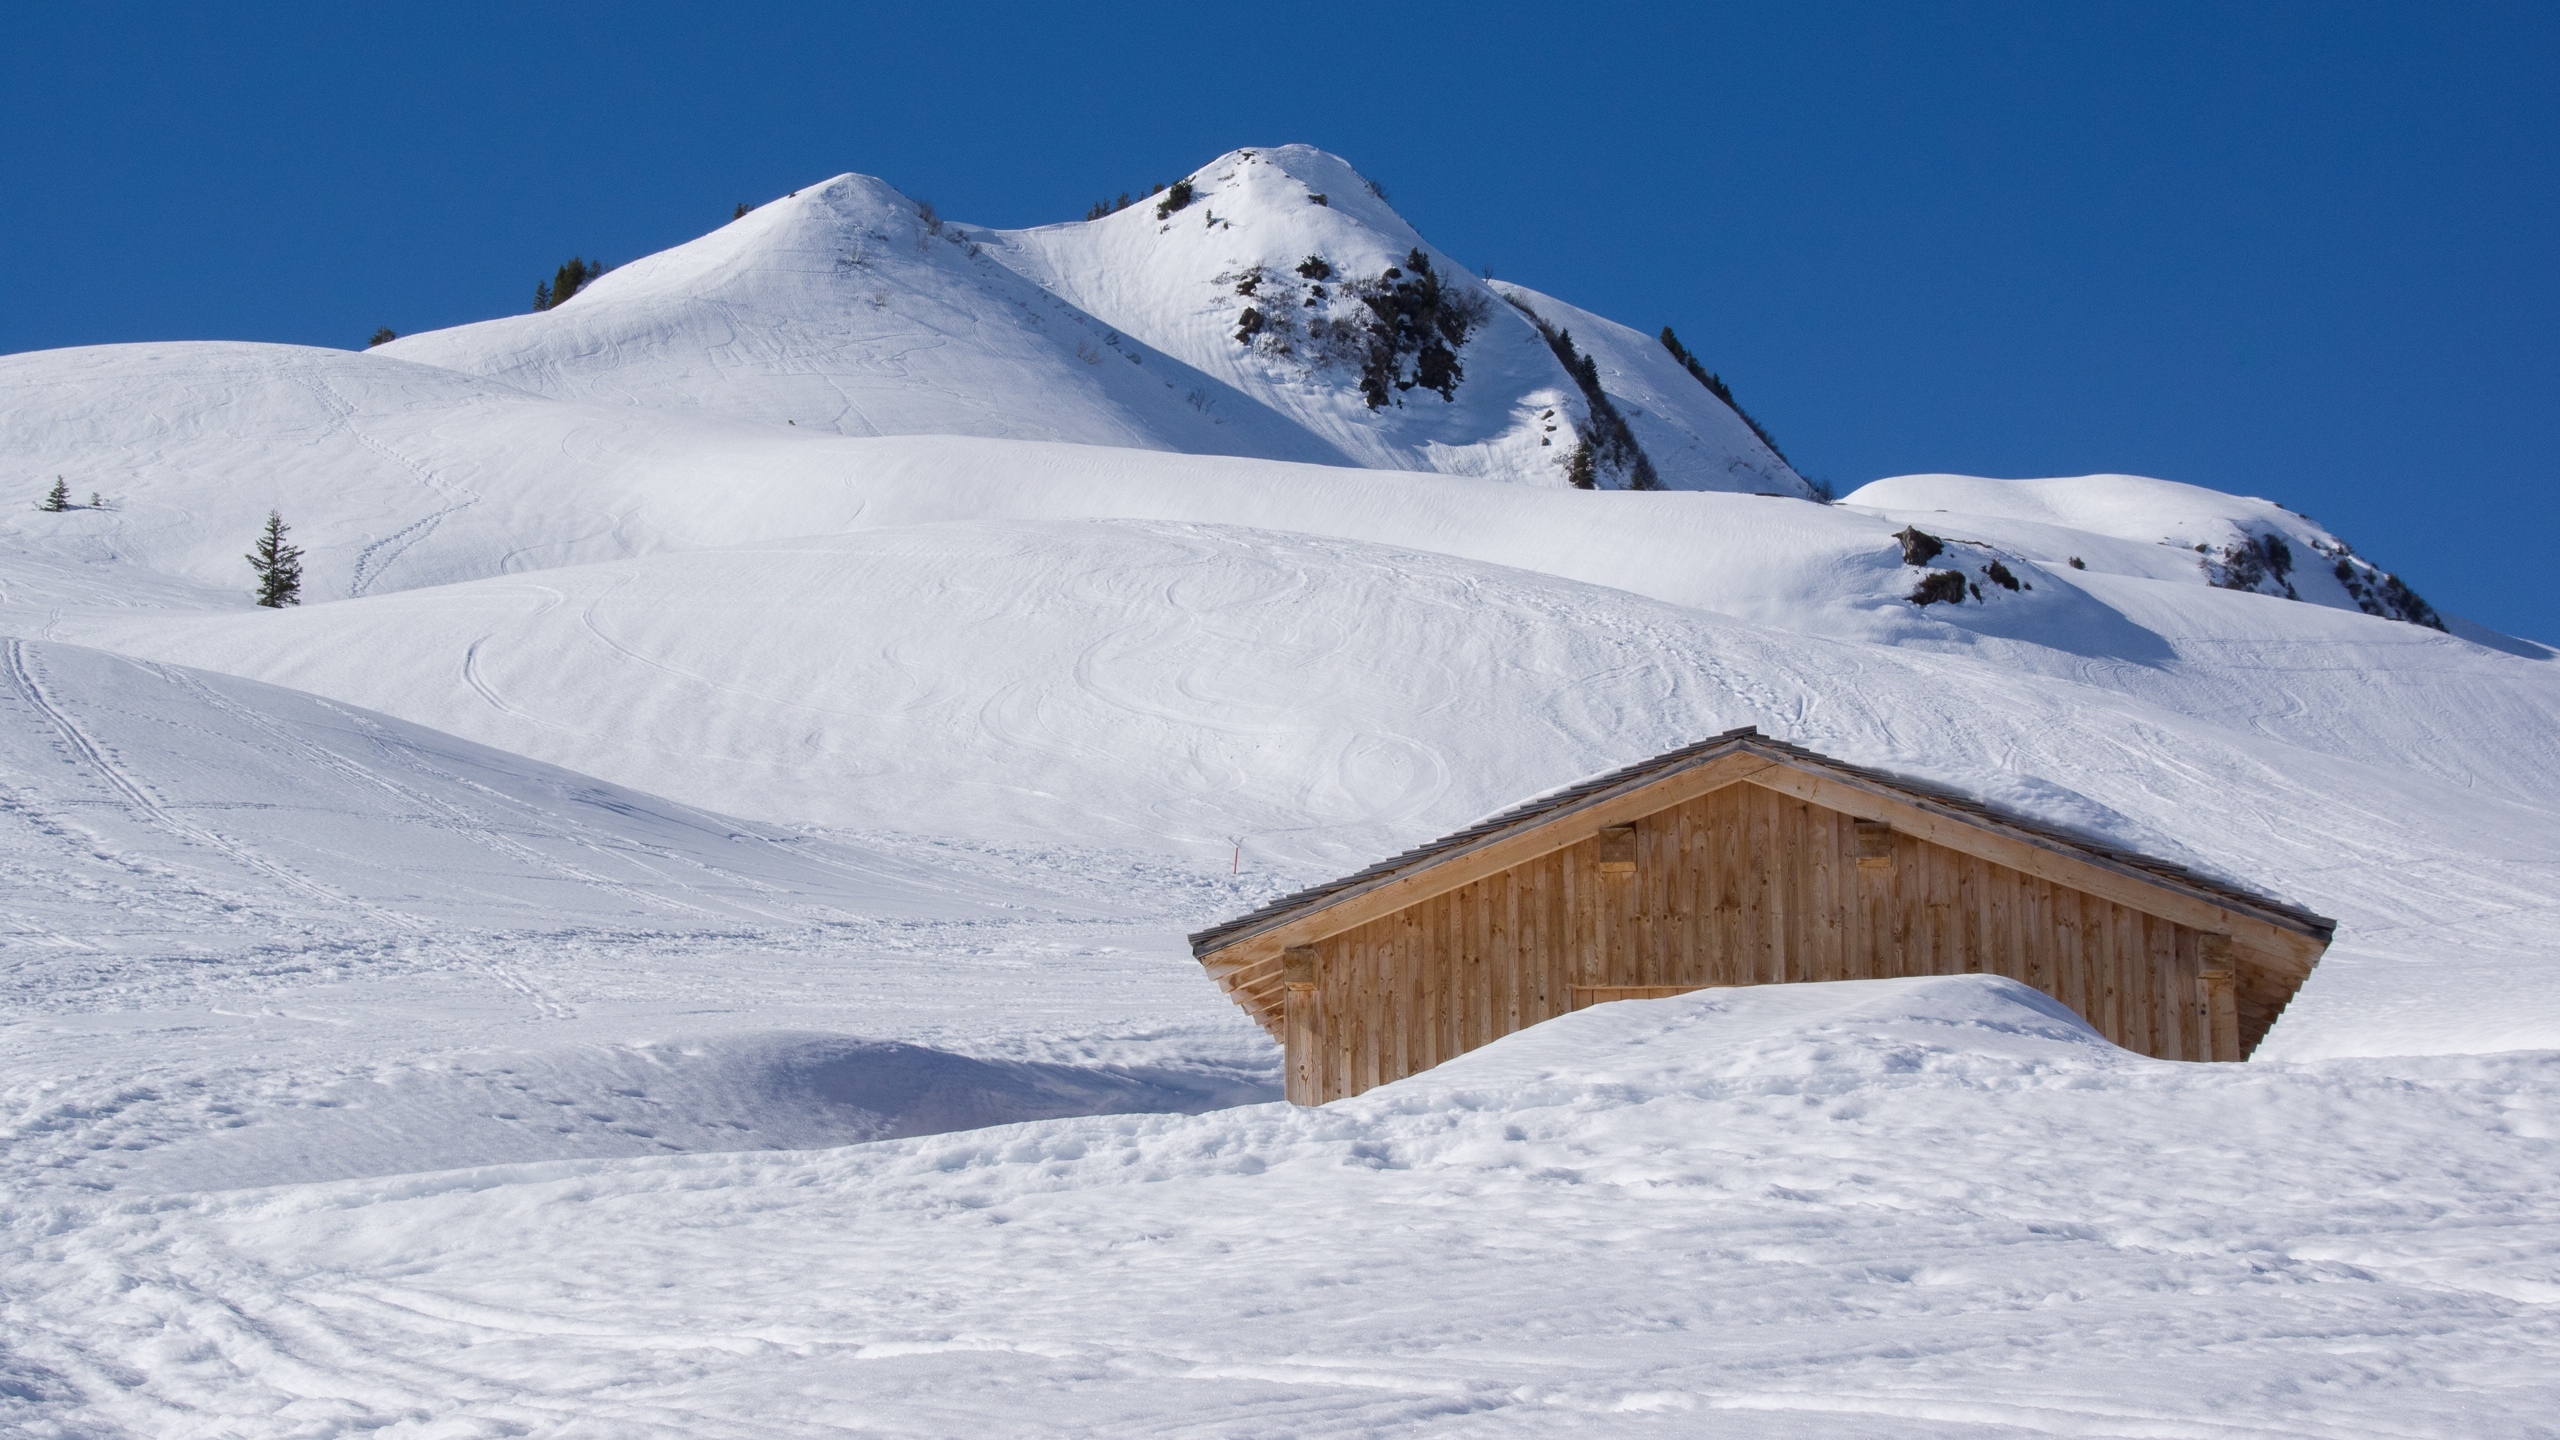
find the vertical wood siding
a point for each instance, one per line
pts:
(1747, 886)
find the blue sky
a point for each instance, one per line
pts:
(2304, 252)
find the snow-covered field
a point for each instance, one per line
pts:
(1886, 1208)
(765, 722)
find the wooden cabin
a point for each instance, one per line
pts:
(1746, 861)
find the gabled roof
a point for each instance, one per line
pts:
(1748, 740)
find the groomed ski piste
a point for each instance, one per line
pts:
(681, 933)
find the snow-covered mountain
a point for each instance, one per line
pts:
(798, 691)
(1283, 311)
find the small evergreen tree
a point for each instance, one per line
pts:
(58, 498)
(278, 566)
(568, 280)
(1174, 199)
(383, 336)
(741, 212)
(1607, 439)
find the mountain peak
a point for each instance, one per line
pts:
(1270, 304)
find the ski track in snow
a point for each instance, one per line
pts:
(138, 796)
(1761, 1213)
(380, 555)
(691, 944)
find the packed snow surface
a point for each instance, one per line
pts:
(681, 933)
(1884, 1208)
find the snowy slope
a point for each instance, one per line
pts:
(842, 308)
(1174, 653)
(996, 640)
(172, 795)
(392, 474)
(1884, 1208)
(397, 475)
(252, 936)
(1180, 689)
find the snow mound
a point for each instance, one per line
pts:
(2155, 529)
(1842, 1036)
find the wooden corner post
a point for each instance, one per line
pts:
(1303, 1020)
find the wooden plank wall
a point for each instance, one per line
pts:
(1744, 886)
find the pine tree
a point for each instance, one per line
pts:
(382, 336)
(1580, 470)
(58, 498)
(278, 566)
(568, 280)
